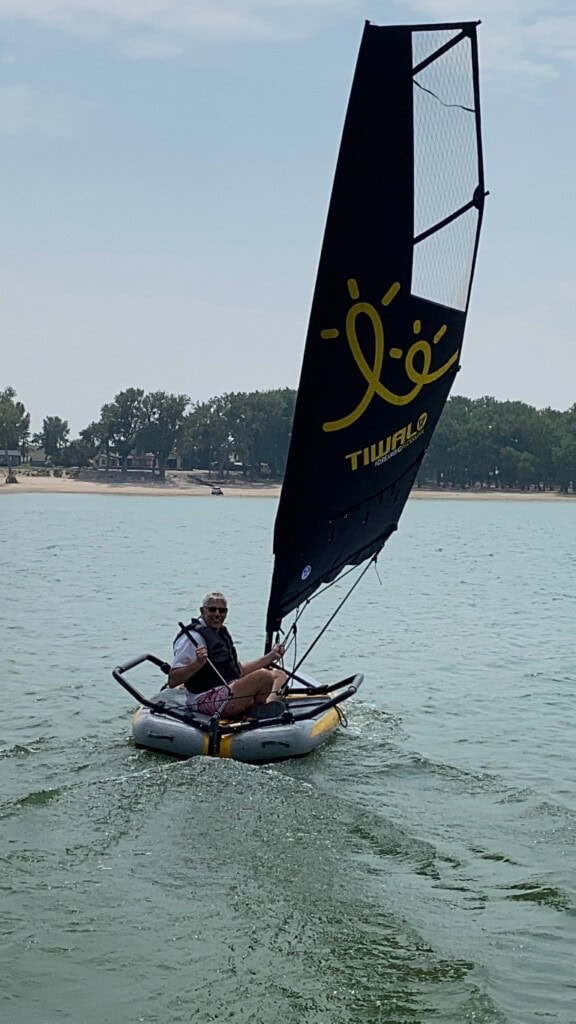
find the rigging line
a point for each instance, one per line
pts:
(335, 613)
(291, 634)
(459, 106)
(300, 612)
(337, 579)
(298, 616)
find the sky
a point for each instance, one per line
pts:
(166, 167)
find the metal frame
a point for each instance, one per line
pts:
(213, 726)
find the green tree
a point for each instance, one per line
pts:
(14, 426)
(275, 415)
(508, 467)
(447, 457)
(75, 454)
(240, 418)
(93, 437)
(82, 450)
(526, 470)
(251, 427)
(97, 437)
(259, 425)
(491, 443)
(550, 427)
(163, 416)
(53, 437)
(565, 460)
(205, 436)
(121, 422)
(565, 452)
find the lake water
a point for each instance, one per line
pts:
(420, 867)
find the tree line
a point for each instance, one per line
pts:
(247, 429)
(478, 442)
(490, 443)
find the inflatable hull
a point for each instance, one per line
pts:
(307, 716)
(252, 743)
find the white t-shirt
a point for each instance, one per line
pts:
(184, 650)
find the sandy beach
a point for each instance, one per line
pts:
(179, 485)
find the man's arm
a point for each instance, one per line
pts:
(178, 676)
(187, 660)
(264, 662)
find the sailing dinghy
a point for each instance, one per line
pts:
(382, 351)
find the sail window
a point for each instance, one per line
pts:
(446, 170)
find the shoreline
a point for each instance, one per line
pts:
(177, 486)
(174, 487)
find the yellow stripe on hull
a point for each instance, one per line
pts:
(330, 720)
(225, 745)
(275, 742)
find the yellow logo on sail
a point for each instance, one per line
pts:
(381, 451)
(420, 350)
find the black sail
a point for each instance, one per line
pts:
(389, 308)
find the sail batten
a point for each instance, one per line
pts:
(390, 302)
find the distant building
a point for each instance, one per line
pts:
(136, 460)
(36, 456)
(140, 460)
(14, 457)
(102, 461)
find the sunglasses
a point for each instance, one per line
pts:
(214, 610)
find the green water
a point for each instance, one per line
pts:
(419, 868)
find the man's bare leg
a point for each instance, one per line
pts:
(279, 682)
(254, 688)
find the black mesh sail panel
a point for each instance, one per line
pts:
(389, 308)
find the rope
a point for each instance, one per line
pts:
(335, 613)
(459, 106)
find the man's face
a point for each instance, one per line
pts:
(214, 612)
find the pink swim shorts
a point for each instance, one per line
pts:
(211, 702)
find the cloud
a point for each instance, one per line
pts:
(179, 23)
(555, 37)
(148, 46)
(25, 111)
(198, 18)
(519, 37)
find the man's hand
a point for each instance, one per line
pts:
(275, 653)
(178, 676)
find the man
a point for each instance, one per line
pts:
(206, 663)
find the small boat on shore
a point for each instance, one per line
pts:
(382, 352)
